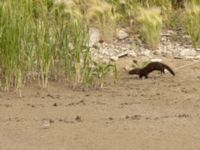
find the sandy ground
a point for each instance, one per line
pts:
(160, 113)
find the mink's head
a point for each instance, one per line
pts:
(134, 71)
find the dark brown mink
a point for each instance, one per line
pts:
(152, 66)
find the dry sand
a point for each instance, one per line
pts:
(160, 113)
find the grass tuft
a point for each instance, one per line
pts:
(192, 22)
(151, 24)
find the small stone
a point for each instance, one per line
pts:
(132, 54)
(71, 46)
(156, 60)
(123, 54)
(198, 49)
(105, 52)
(146, 53)
(197, 57)
(47, 123)
(94, 36)
(106, 61)
(157, 52)
(114, 58)
(121, 34)
(178, 57)
(190, 57)
(128, 68)
(188, 52)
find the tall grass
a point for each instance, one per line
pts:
(192, 22)
(96, 13)
(127, 9)
(38, 38)
(151, 23)
(15, 42)
(194, 1)
(164, 5)
(100, 14)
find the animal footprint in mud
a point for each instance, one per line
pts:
(184, 90)
(77, 103)
(36, 105)
(143, 94)
(191, 90)
(134, 117)
(31, 105)
(87, 95)
(174, 85)
(53, 96)
(56, 104)
(183, 116)
(125, 103)
(78, 119)
(111, 118)
(65, 121)
(6, 105)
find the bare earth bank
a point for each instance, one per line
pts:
(160, 113)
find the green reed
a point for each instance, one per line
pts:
(38, 39)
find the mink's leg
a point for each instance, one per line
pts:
(162, 71)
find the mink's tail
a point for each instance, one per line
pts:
(169, 69)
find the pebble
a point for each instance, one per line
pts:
(133, 47)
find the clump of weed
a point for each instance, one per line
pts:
(100, 14)
(192, 22)
(164, 5)
(101, 70)
(127, 10)
(150, 21)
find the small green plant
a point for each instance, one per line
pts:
(101, 70)
(150, 21)
(192, 23)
